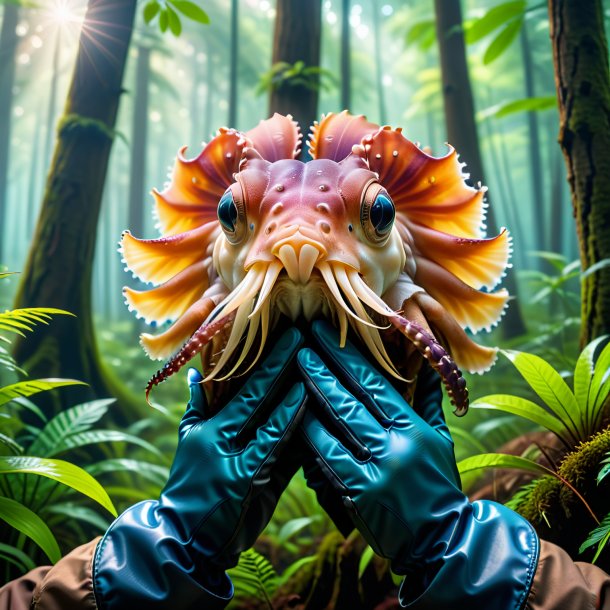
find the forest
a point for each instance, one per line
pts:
(97, 99)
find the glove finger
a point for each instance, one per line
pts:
(245, 408)
(359, 430)
(336, 462)
(197, 404)
(262, 451)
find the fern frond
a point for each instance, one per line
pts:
(254, 578)
(600, 536)
(20, 320)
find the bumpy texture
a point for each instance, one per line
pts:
(372, 233)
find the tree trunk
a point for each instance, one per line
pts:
(461, 125)
(8, 49)
(346, 64)
(536, 173)
(580, 55)
(233, 64)
(59, 267)
(379, 56)
(209, 94)
(296, 37)
(139, 137)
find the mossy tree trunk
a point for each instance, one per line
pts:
(298, 28)
(59, 266)
(345, 57)
(580, 55)
(8, 49)
(461, 125)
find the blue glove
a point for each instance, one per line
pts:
(220, 494)
(396, 474)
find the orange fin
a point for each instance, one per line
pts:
(427, 190)
(159, 347)
(335, 135)
(471, 308)
(276, 138)
(171, 299)
(477, 262)
(158, 260)
(196, 186)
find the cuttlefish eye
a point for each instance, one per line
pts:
(377, 213)
(231, 215)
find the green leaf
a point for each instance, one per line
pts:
(86, 514)
(26, 319)
(60, 471)
(493, 19)
(151, 10)
(605, 470)
(527, 104)
(5, 274)
(29, 523)
(523, 408)
(502, 41)
(420, 32)
(163, 20)
(294, 526)
(191, 10)
(500, 460)
(16, 557)
(600, 536)
(11, 443)
(67, 423)
(254, 578)
(95, 437)
(173, 21)
(598, 266)
(29, 388)
(152, 472)
(293, 568)
(365, 559)
(583, 372)
(551, 388)
(600, 385)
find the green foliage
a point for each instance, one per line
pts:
(504, 21)
(168, 13)
(29, 523)
(572, 416)
(422, 34)
(601, 534)
(527, 104)
(284, 74)
(254, 579)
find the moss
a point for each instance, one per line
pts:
(548, 499)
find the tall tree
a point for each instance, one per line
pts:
(298, 28)
(582, 78)
(379, 56)
(59, 266)
(8, 48)
(234, 52)
(139, 137)
(535, 157)
(460, 121)
(346, 64)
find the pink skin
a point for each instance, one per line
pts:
(317, 204)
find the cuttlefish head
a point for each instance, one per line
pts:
(372, 232)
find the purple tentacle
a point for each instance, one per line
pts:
(440, 361)
(203, 335)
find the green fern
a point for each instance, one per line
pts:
(254, 579)
(20, 321)
(600, 536)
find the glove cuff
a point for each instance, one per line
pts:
(489, 562)
(142, 562)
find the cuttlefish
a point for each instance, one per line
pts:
(373, 233)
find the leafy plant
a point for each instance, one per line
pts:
(573, 416)
(601, 534)
(168, 13)
(254, 579)
(284, 74)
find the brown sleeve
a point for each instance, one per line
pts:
(563, 584)
(65, 586)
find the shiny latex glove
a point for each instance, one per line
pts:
(220, 495)
(396, 475)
